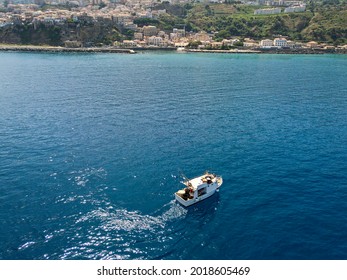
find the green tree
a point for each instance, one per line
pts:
(209, 12)
(54, 34)
(223, 34)
(238, 44)
(194, 44)
(311, 6)
(102, 5)
(129, 34)
(145, 21)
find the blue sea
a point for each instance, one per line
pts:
(93, 147)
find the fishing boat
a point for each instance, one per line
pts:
(198, 188)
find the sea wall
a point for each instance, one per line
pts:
(63, 49)
(303, 51)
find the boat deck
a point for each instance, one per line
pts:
(198, 181)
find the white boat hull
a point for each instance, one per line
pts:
(198, 189)
(192, 201)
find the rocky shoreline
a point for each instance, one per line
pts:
(62, 49)
(304, 51)
(276, 51)
(25, 48)
(225, 51)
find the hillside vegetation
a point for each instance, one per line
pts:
(324, 22)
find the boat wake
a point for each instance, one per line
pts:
(124, 220)
(124, 234)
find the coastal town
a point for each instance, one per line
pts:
(72, 24)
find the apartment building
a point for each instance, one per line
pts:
(150, 30)
(266, 43)
(280, 42)
(295, 9)
(268, 11)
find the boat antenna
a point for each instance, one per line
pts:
(183, 176)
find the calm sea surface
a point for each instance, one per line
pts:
(92, 146)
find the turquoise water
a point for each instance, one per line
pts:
(92, 146)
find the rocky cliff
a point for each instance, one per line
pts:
(89, 34)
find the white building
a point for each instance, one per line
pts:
(228, 43)
(250, 43)
(123, 18)
(267, 11)
(155, 41)
(266, 43)
(150, 30)
(291, 44)
(131, 26)
(280, 42)
(129, 44)
(295, 9)
(138, 36)
(180, 32)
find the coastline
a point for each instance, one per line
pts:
(224, 51)
(31, 48)
(304, 51)
(54, 49)
(274, 51)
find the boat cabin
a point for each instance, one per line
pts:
(198, 188)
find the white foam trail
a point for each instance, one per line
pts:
(122, 219)
(82, 177)
(26, 245)
(175, 211)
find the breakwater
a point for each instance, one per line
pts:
(274, 51)
(303, 51)
(62, 49)
(224, 51)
